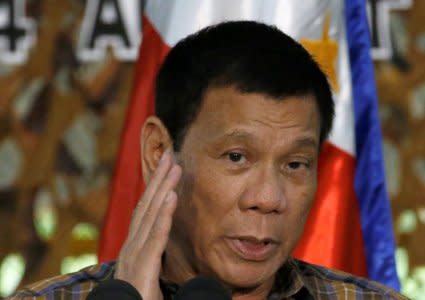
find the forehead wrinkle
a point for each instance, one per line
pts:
(274, 124)
(242, 135)
(306, 142)
(237, 134)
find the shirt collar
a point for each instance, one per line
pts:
(288, 283)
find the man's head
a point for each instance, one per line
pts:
(249, 56)
(245, 109)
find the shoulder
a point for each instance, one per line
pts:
(325, 282)
(74, 285)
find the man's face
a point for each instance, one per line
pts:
(249, 177)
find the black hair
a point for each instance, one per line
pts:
(251, 56)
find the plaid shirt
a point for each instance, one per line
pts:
(295, 280)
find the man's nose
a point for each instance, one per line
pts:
(265, 193)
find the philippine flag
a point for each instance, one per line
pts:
(350, 226)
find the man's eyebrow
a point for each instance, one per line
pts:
(238, 134)
(235, 134)
(306, 142)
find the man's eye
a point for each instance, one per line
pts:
(235, 156)
(295, 165)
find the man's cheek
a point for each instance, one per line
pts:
(300, 208)
(210, 190)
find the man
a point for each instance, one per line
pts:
(230, 162)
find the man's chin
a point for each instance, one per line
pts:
(245, 275)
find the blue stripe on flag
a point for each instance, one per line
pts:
(370, 186)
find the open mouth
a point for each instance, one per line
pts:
(253, 249)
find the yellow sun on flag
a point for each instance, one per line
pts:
(325, 52)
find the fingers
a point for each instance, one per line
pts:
(139, 261)
(158, 235)
(160, 173)
(155, 208)
(165, 179)
(141, 266)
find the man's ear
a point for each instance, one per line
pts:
(154, 140)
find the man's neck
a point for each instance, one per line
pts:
(177, 269)
(175, 266)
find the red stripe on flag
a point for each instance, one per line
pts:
(332, 235)
(127, 184)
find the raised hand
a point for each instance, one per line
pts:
(139, 261)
